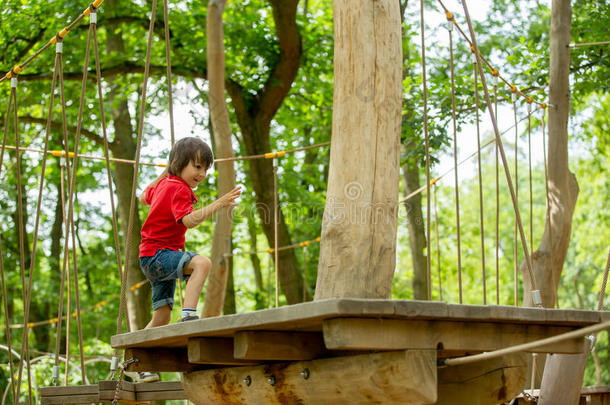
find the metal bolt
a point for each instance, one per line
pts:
(248, 380)
(271, 380)
(305, 373)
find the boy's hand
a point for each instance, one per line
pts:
(228, 200)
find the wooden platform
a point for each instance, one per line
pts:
(336, 327)
(104, 391)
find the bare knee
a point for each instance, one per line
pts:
(199, 263)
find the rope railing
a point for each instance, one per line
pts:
(495, 72)
(56, 38)
(269, 155)
(97, 306)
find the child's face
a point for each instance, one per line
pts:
(193, 174)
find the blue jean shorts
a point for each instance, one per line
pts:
(162, 270)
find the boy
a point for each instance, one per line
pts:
(171, 201)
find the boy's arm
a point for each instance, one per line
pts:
(198, 216)
(152, 184)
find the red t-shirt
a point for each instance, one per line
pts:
(170, 200)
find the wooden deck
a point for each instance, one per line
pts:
(336, 327)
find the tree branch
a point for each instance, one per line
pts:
(285, 70)
(58, 127)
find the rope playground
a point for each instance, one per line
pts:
(340, 347)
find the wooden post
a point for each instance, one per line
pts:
(358, 247)
(221, 241)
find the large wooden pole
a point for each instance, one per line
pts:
(221, 241)
(563, 374)
(358, 247)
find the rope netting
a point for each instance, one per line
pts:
(70, 158)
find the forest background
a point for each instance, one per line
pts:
(279, 82)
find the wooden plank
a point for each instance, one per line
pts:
(278, 345)
(393, 334)
(70, 399)
(403, 377)
(158, 386)
(106, 385)
(68, 390)
(213, 351)
(161, 395)
(160, 360)
(108, 395)
(309, 316)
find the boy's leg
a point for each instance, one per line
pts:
(161, 316)
(198, 269)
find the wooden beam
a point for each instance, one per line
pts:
(491, 381)
(394, 377)
(213, 351)
(160, 360)
(278, 345)
(68, 390)
(70, 399)
(395, 334)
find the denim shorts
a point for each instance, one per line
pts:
(162, 270)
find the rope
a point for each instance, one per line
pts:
(271, 155)
(72, 186)
(438, 250)
(21, 225)
(482, 225)
(602, 292)
(455, 164)
(4, 295)
(294, 245)
(168, 61)
(28, 292)
(66, 224)
(304, 273)
(115, 232)
(472, 44)
(527, 346)
(56, 38)
(515, 229)
(275, 238)
(529, 158)
(427, 142)
(99, 305)
(526, 252)
(546, 186)
(134, 185)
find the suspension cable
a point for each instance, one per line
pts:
(115, 232)
(482, 226)
(22, 236)
(528, 260)
(4, 295)
(455, 156)
(427, 142)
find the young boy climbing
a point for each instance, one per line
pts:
(172, 212)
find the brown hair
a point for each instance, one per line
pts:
(187, 150)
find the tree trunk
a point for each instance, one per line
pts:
(563, 191)
(256, 266)
(230, 307)
(254, 114)
(221, 242)
(358, 248)
(417, 232)
(123, 146)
